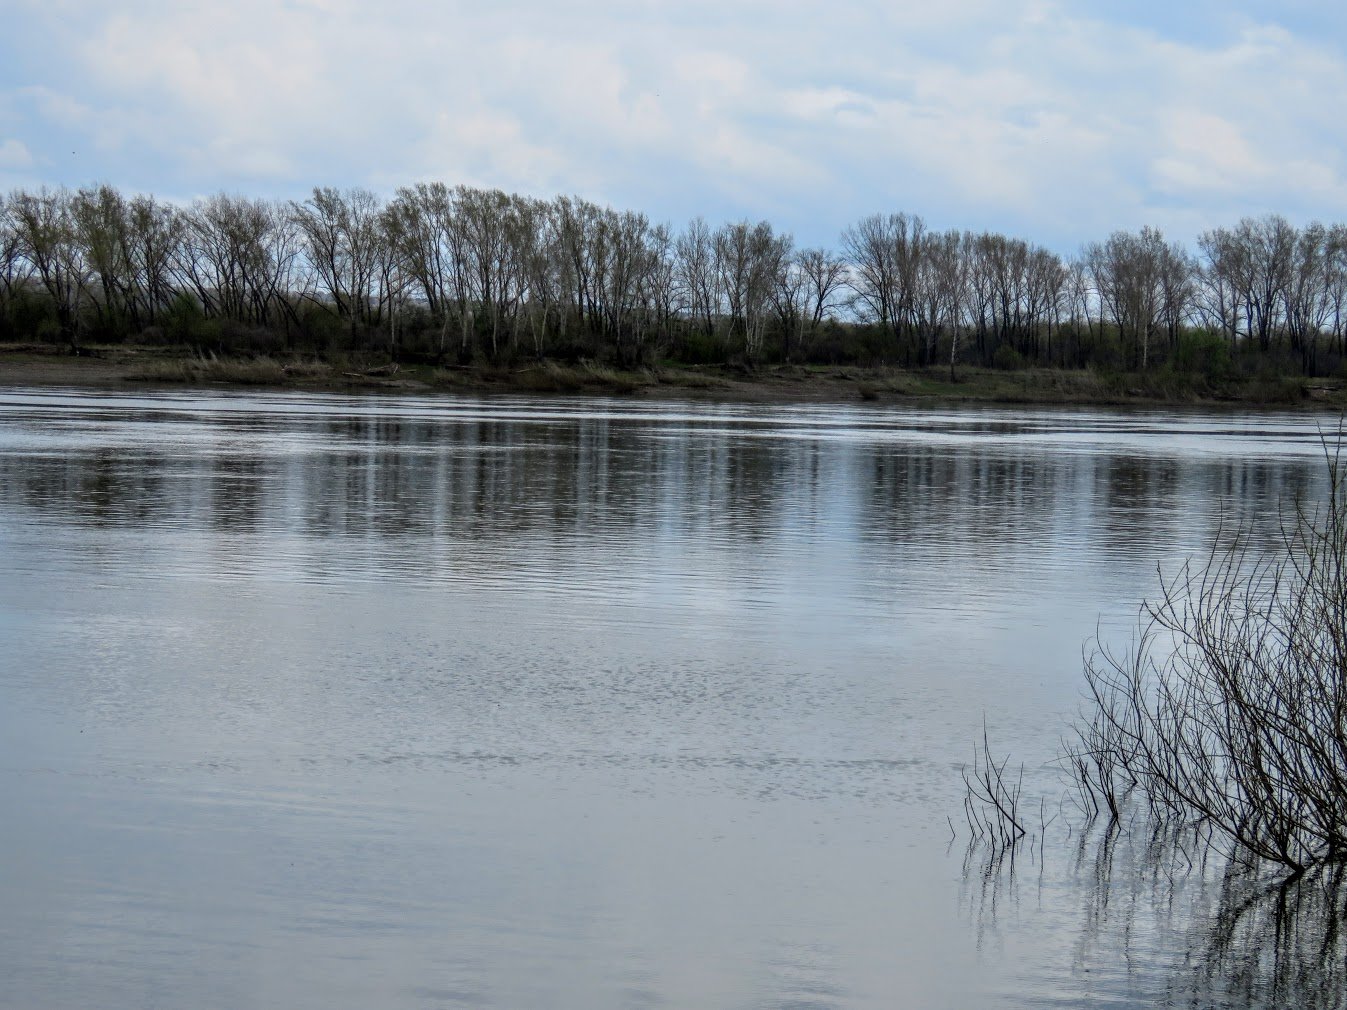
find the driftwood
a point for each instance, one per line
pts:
(379, 372)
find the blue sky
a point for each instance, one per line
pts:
(1057, 122)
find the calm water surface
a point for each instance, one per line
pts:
(312, 701)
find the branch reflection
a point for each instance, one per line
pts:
(1162, 921)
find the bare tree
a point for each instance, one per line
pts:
(942, 289)
(417, 226)
(1306, 298)
(344, 243)
(826, 275)
(1045, 277)
(791, 300)
(1247, 272)
(1269, 245)
(581, 247)
(98, 217)
(152, 234)
(1178, 291)
(15, 269)
(626, 264)
(46, 233)
(1335, 280)
(1079, 302)
(695, 260)
(884, 252)
(1220, 281)
(1127, 272)
(483, 215)
(237, 256)
(544, 281)
(749, 261)
(661, 285)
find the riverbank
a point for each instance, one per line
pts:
(135, 366)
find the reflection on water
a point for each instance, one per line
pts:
(313, 701)
(1164, 922)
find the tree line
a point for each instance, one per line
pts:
(472, 273)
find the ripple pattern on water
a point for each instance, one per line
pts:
(312, 700)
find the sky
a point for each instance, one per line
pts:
(1053, 121)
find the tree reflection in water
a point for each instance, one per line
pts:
(1162, 921)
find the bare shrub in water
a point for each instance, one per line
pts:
(991, 803)
(1229, 712)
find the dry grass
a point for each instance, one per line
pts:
(260, 371)
(546, 377)
(42, 363)
(682, 378)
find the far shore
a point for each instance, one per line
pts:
(157, 367)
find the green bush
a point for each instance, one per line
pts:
(1201, 352)
(700, 348)
(30, 314)
(185, 322)
(1007, 358)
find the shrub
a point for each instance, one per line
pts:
(1229, 712)
(185, 323)
(1007, 358)
(1201, 352)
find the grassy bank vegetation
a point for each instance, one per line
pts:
(119, 364)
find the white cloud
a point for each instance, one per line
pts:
(1027, 115)
(14, 154)
(1206, 153)
(490, 150)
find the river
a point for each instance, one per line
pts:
(323, 701)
